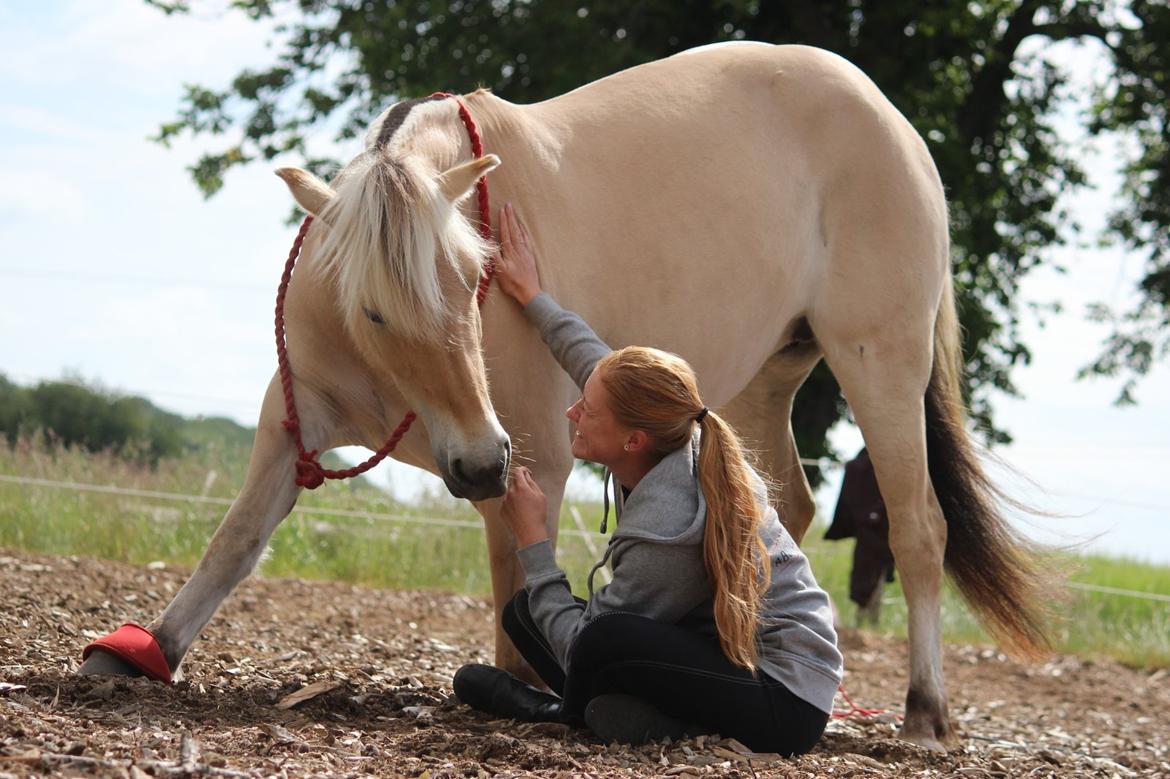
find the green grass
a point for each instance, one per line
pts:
(363, 550)
(1090, 624)
(383, 553)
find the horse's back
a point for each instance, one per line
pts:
(787, 87)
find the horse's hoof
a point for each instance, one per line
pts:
(926, 742)
(927, 723)
(928, 739)
(102, 662)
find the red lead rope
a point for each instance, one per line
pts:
(310, 473)
(854, 710)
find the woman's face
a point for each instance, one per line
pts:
(597, 436)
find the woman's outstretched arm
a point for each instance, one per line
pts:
(570, 339)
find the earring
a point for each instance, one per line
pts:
(627, 447)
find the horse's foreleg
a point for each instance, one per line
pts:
(529, 394)
(507, 579)
(507, 573)
(885, 387)
(268, 495)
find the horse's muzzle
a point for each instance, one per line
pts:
(467, 478)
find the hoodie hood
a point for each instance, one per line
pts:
(667, 506)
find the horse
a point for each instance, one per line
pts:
(753, 208)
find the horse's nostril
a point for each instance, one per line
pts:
(457, 470)
(470, 473)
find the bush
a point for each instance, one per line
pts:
(97, 420)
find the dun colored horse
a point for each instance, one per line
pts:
(753, 208)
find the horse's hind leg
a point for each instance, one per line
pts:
(268, 495)
(883, 373)
(762, 415)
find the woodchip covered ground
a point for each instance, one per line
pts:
(374, 668)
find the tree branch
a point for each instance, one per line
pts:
(1067, 30)
(984, 105)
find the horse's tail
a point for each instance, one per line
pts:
(995, 570)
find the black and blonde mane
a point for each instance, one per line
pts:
(389, 228)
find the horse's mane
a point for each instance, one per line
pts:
(389, 227)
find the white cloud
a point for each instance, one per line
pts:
(28, 193)
(127, 46)
(42, 123)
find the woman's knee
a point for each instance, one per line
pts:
(610, 637)
(515, 614)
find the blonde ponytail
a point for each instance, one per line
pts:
(656, 392)
(733, 549)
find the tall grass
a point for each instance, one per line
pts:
(364, 550)
(385, 553)
(1087, 623)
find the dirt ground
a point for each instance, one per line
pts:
(381, 663)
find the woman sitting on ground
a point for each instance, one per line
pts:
(713, 621)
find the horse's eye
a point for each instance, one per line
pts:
(374, 316)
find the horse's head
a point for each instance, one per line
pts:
(404, 264)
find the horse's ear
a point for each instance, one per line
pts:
(310, 192)
(457, 182)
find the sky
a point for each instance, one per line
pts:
(114, 268)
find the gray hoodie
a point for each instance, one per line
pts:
(656, 553)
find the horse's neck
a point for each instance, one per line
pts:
(529, 146)
(531, 176)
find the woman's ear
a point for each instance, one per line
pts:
(637, 441)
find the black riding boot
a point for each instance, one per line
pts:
(495, 691)
(625, 719)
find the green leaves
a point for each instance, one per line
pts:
(1135, 103)
(209, 171)
(168, 8)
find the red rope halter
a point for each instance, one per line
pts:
(310, 473)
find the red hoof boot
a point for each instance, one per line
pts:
(135, 646)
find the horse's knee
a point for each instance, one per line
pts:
(919, 535)
(236, 546)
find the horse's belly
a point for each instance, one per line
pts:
(714, 267)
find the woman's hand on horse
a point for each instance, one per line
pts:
(525, 508)
(516, 260)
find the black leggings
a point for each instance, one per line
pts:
(684, 674)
